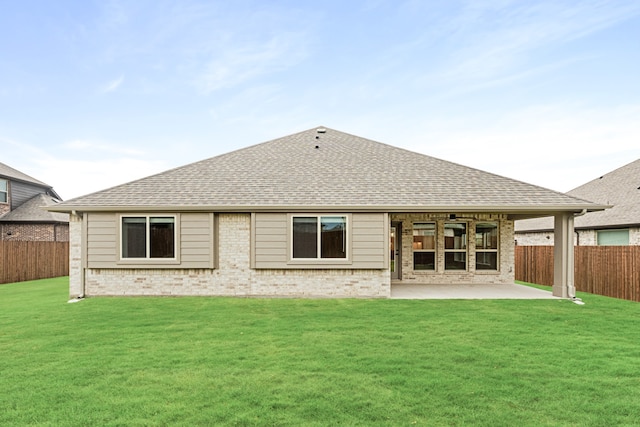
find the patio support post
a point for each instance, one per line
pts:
(563, 266)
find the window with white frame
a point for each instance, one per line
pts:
(455, 246)
(424, 246)
(148, 237)
(4, 191)
(317, 237)
(487, 246)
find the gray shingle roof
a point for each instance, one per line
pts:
(330, 169)
(620, 188)
(14, 174)
(32, 211)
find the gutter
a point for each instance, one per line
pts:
(515, 209)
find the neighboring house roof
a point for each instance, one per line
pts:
(15, 175)
(620, 188)
(11, 173)
(32, 211)
(322, 168)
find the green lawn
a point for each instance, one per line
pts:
(227, 361)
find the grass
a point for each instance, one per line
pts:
(226, 361)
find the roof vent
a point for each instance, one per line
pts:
(321, 130)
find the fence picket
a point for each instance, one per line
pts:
(21, 261)
(604, 270)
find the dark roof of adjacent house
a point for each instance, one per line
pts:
(322, 168)
(620, 188)
(32, 211)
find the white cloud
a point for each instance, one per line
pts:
(112, 85)
(242, 63)
(76, 177)
(555, 146)
(491, 39)
(72, 176)
(94, 147)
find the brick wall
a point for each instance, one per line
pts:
(504, 275)
(233, 277)
(34, 232)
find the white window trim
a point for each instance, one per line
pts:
(147, 259)
(318, 260)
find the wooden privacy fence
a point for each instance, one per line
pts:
(613, 271)
(20, 261)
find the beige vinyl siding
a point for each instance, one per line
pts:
(269, 232)
(194, 245)
(102, 247)
(197, 249)
(368, 240)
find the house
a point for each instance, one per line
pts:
(619, 225)
(320, 213)
(21, 215)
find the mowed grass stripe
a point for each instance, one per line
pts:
(235, 361)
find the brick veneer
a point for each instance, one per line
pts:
(34, 232)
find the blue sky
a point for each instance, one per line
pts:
(97, 93)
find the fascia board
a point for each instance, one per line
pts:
(514, 209)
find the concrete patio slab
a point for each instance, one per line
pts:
(514, 291)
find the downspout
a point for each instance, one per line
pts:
(575, 215)
(582, 212)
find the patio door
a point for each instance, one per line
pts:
(395, 245)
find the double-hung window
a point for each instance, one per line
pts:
(486, 246)
(455, 246)
(4, 191)
(148, 237)
(424, 246)
(318, 237)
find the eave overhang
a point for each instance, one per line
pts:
(515, 212)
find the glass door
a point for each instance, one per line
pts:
(394, 248)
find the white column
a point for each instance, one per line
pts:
(76, 270)
(563, 266)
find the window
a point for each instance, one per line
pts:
(4, 191)
(319, 237)
(424, 246)
(148, 236)
(455, 246)
(613, 237)
(486, 246)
